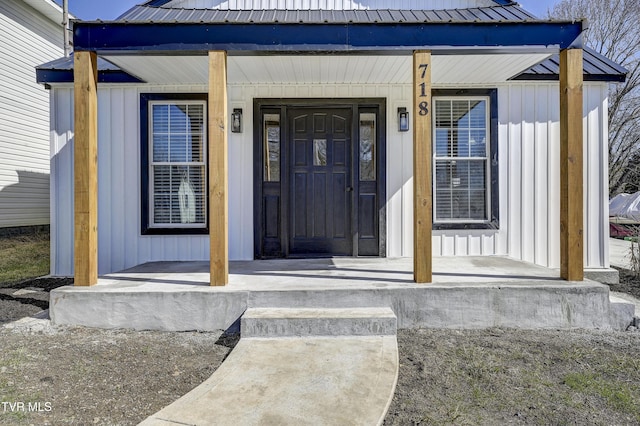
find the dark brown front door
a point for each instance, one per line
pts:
(321, 192)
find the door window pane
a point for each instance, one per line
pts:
(272, 147)
(367, 147)
(319, 152)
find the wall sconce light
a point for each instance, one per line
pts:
(236, 120)
(403, 120)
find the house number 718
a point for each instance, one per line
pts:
(424, 105)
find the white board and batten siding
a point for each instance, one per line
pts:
(120, 243)
(529, 155)
(529, 180)
(329, 4)
(28, 39)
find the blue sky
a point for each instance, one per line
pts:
(90, 10)
(108, 10)
(538, 7)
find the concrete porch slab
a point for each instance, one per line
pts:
(337, 272)
(468, 292)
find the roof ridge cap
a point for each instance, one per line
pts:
(163, 6)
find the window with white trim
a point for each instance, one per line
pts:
(461, 160)
(177, 163)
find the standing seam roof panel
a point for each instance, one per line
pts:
(397, 16)
(467, 15)
(490, 15)
(483, 14)
(409, 16)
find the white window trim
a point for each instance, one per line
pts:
(151, 222)
(486, 158)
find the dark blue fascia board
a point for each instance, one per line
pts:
(66, 76)
(115, 37)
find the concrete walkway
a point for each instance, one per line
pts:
(322, 380)
(619, 252)
(619, 256)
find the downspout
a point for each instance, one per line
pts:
(65, 26)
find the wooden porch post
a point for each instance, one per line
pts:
(422, 158)
(571, 157)
(85, 141)
(218, 170)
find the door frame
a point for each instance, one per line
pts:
(283, 105)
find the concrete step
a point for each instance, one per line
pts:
(622, 310)
(290, 322)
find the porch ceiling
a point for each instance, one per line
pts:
(309, 69)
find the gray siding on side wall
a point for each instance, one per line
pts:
(28, 39)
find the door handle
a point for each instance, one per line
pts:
(349, 188)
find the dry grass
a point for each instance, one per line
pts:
(496, 376)
(634, 255)
(23, 257)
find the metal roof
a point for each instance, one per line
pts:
(158, 3)
(66, 63)
(61, 71)
(596, 68)
(151, 14)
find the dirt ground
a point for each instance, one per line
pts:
(629, 283)
(497, 376)
(82, 376)
(28, 297)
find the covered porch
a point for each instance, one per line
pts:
(427, 48)
(468, 292)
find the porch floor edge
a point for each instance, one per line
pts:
(484, 292)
